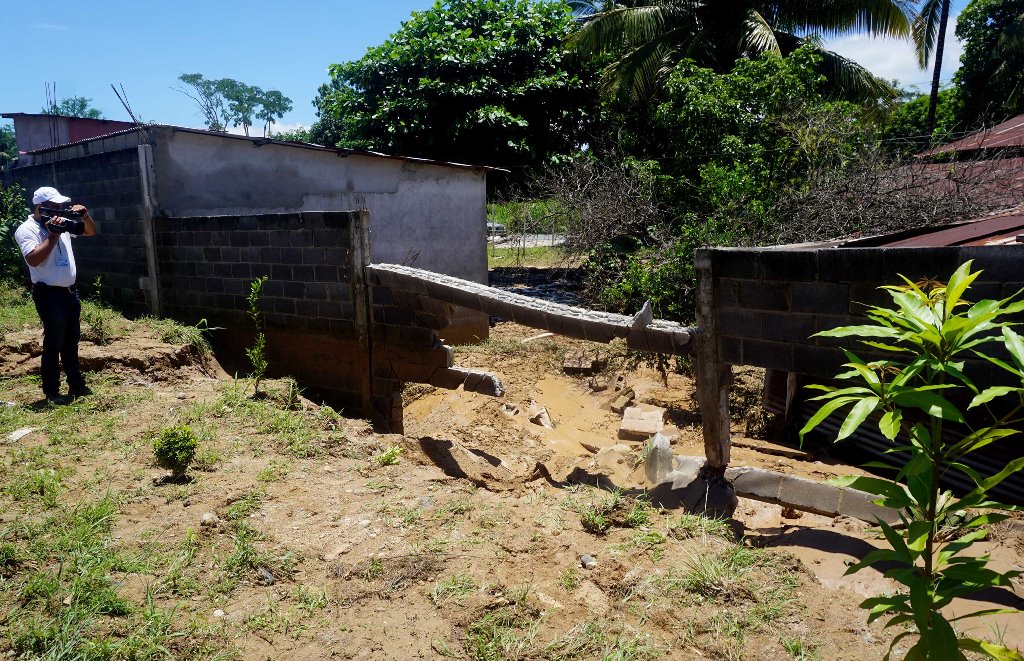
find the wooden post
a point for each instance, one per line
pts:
(713, 376)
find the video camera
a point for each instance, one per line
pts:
(73, 223)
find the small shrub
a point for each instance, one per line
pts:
(257, 353)
(175, 448)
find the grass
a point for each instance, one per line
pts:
(531, 257)
(452, 589)
(696, 526)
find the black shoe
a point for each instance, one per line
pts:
(76, 393)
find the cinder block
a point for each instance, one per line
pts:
(739, 322)
(756, 483)
(809, 495)
(820, 297)
(763, 295)
(857, 504)
(787, 326)
(450, 379)
(771, 355)
(789, 265)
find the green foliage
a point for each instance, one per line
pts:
(990, 81)
(228, 102)
(8, 146)
(474, 81)
(13, 212)
(906, 128)
(175, 448)
(75, 106)
(389, 457)
(912, 399)
(299, 134)
(257, 352)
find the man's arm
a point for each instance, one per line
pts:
(36, 256)
(90, 226)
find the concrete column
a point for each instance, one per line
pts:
(713, 376)
(147, 176)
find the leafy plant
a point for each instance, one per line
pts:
(257, 353)
(933, 328)
(175, 448)
(390, 456)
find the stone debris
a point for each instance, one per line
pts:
(219, 613)
(658, 458)
(623, 401)
(209, 520)
(539, 416)
(599, 383)
(640, 424)
(584, 363)
(588, 561)
(509, 409)
(19, 434)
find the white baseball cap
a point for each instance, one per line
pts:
(49, 194)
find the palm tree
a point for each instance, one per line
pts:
(646, 39)
(930, 34)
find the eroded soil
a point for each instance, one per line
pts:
(461, 538)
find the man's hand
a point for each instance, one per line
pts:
(90, 226)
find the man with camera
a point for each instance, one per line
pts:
(45, 242)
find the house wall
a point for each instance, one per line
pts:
(425, 215)
(42, 131)
(110, 184)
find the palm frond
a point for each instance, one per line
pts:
(757, 36)
(850, 81)
(618, 29)
(878, 18)
(638, 75)
(926, 30)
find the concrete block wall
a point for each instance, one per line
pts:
(110, 184)
(312, 302)
(769, 301)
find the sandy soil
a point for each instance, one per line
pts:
(468, 547)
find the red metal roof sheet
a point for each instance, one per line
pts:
(1008, 134)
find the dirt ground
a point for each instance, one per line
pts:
(303, 534)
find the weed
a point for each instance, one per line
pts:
(309, 600)
(98, 323)
(695, 525)
(715, 576)
(505, 633)
(257, 353)
(173, 332)
(594, 519)
(275, 471)
(245, 506)
(389, 457)
(570, 579)
(452, 589)
(375, 570)
(798, 649)
(639, 514)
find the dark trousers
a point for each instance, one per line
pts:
(60, 310)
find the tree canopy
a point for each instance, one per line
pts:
(227, 102)
(477, 81)
(646, 39)
(75, 106)
(990, 81)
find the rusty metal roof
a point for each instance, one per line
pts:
(1008, 134)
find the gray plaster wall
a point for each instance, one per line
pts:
(432, 216)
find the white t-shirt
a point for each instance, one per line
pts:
(58, 269)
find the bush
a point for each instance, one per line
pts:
(175, 448)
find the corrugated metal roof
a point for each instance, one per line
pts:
(1008, 134)
(260, 141)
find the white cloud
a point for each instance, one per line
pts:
(892, 59)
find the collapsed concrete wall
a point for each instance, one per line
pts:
(762, 305)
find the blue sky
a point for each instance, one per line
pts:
(83, 47)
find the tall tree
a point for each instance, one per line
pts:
(75, 106)
(647, 38)
(990, 81)
(227, 102)
(930, 36)
(477, 81)
(8, 146)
